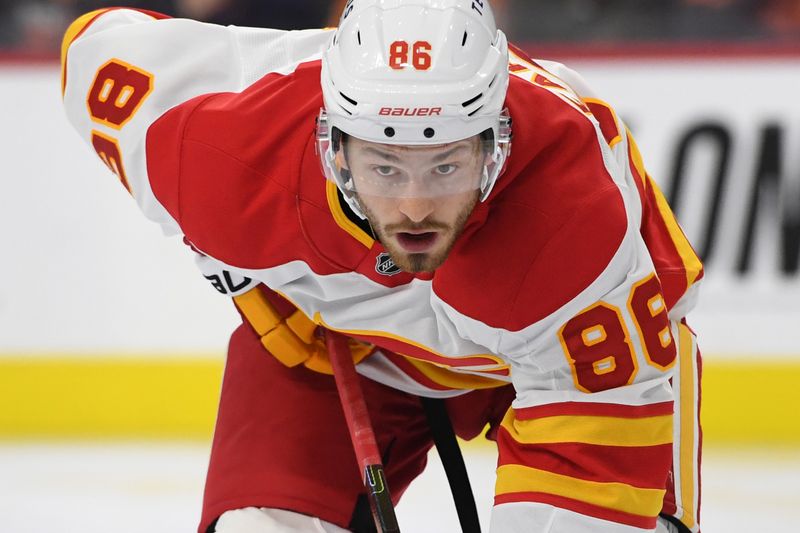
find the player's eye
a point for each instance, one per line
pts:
(384, 170)
(446, 170)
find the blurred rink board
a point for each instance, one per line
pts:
(107, 330)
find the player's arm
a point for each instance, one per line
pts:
(123, 69)
(592, 441)
(678, 266)
(588, 442)
(680, 273)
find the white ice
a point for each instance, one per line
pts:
(156, 488)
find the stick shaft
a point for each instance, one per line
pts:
(361, 434)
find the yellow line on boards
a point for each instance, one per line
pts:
(750, 401)
(110, 397)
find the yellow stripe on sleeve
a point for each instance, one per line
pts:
(617, 496)
(638, 162)
(598, 430)
(687, 406)
(691, 263)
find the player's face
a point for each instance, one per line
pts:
(417, 198)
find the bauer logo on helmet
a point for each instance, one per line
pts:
(410, 111)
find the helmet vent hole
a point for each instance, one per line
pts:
(428, 133)
(348, 98)
(389, 132)
(493, 80)
(471, 101)
(358, 34)
(470, 114)
(345, 109)
(464, 39)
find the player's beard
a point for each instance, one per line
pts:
(428, 261)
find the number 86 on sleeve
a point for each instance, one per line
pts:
(598, 346)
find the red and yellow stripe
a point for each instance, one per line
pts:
(687, 467)
(602, 460)
(436, 377)
(603, 430)
(616, 502)
(607, 119)
(484, 363)
(691, 262)
(676, 262)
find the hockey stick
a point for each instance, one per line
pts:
(453, 462)
(361, 434)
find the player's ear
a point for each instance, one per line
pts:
(341, 160)
(339, 140)
(486, 147)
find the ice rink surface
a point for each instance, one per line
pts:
(156, 488)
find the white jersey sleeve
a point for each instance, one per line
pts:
(122, 69)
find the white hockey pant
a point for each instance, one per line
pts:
(265, 520)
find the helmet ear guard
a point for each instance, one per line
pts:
(500, 153)
(329, 142)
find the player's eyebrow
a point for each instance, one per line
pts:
(451, 152)
(380, 153)
(389, 156)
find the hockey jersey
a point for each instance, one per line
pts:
(571, 281)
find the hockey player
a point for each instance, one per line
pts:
(556, 277)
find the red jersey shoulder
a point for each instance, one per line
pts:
(226, 166)
(555, 220)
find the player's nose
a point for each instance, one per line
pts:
(416, 209)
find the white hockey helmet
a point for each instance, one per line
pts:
(415, 72)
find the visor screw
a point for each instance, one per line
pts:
(389, 132)
(429, 132)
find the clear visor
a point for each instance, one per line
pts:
(365, 168)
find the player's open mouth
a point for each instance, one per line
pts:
(416, 243)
